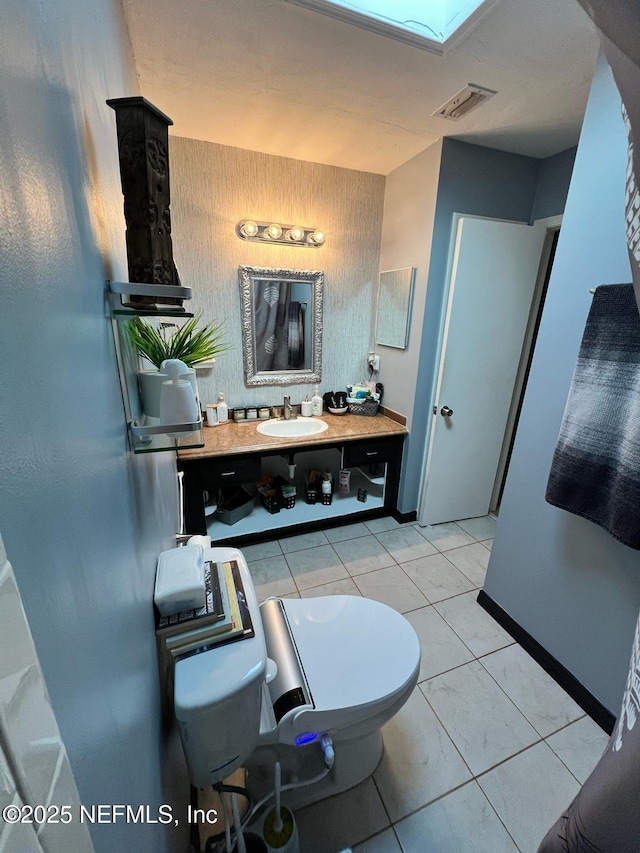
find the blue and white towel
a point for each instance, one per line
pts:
(595, 471)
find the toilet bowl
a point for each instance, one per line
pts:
(360, 661)
(339, 665)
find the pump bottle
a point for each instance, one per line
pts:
(223, 410)
(316, 402)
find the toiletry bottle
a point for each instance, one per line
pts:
(306, 407)
(223, 410)
(316, 402)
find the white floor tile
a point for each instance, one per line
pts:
(482, 722)
(446, 536)
(420, 763)
(488, 543)
(315, 566)
(391, 586)
(472, 561)
(406, 543)
(344, 587)
(543, 702)
(461, 822)
(342, 821)
(386, 842)
(529, 793)
(303, 541)
(440, 648)
(437, 578)
(377, 525)
(475, 627)
(364, 554)
(347, 531)
(261, 550)
(580, 746)
(480, 528)
(271, 576)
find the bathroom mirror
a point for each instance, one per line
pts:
(394, 307)
(281, 325)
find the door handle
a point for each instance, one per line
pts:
(446, 412)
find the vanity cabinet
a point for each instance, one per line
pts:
(230, 471)
(370, 452)
(374, 464)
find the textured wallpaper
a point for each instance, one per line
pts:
(212, 187)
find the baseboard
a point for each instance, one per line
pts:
(404, 517)
(578, 692)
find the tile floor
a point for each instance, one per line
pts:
(488, 750)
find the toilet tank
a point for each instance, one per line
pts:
(218, 694)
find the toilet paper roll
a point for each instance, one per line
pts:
(205, 541)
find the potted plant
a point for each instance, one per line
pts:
(188, 343)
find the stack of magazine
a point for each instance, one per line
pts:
(223, 618)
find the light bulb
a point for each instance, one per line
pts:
(274, 231)
(296, 233)
(317, 237)
(249, 228)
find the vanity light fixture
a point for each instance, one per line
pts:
(273, 232)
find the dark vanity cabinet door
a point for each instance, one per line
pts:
(204, 477)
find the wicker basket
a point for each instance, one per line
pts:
(367, 408)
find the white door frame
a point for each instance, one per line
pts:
(551, 223)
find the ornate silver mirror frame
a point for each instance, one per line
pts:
(281, 325)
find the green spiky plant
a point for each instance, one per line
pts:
(187, 343)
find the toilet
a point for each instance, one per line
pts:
(316, 671)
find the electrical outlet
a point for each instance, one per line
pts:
(373, 360)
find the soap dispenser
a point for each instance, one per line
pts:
(316, 402)
(306, 408)
(178, 403)
(223, 410)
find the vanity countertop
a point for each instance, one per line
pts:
(229, 438)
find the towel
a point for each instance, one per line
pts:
(595, 471)
(296, 336)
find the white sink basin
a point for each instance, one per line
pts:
(295, 427)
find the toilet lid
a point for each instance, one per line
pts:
(354, 651)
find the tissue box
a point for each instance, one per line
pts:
(180, 580)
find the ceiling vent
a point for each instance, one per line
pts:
(466, 100)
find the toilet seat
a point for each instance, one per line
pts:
(360, 658)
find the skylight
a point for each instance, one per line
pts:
(429, 24)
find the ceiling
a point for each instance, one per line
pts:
(272, 76)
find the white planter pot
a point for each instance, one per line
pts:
(150, 384)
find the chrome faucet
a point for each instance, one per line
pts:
(288, 412)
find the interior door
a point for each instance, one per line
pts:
(494, 266)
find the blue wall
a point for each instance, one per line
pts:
(82, 520)
(554, 175)
(565, 580)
